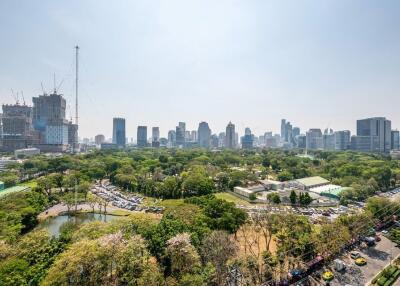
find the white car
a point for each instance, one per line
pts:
(384, 232)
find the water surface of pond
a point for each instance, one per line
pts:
(53, 224)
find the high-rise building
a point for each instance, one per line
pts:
(247, 139)
(55, 132)
(283, 129)
(16, 125)
(230, 136)
(72, 134)
(342, 140)
(142, 136)
(373, 135)
(221, 140)
(314, 139)
(171, 138)
(272, 142)
(301, 141)
(287, 132)
(236, 143)
(214, 141)
(193, 136)
(187, 136)
(328, 141)
(100, 138)
(119, 137)
(395, 140)
(180, 134)
(295, 131)
(155, 135)
(204, 134)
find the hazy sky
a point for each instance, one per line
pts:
(316, 63)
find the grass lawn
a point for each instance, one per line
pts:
(232, 198)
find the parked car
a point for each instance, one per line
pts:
(354, 255)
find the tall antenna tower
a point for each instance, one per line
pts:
(76, 83)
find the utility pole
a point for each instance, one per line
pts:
(76, 195)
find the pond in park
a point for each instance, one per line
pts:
(54, 224)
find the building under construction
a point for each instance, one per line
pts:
(16, 127)
(43, 126)
(56, 134)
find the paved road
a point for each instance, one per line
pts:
(377, 257)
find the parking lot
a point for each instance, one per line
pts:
(393, 194)
(314, 213)
(130, 202)
(377, 257)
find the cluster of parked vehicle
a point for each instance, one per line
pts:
(391, 193)
(320, 211)
(130, 202)
(110, 193)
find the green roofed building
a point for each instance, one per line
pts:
(1, 185)
(311, 182)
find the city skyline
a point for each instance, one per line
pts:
(249, 63)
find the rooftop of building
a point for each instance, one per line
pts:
(270, 182)
(312, 181)
(333, 189)
(246, 190)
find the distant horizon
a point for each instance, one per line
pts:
(316, 64)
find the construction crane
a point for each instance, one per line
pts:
(23, 98)
(59, 86)
(15, 96)
(43, 90)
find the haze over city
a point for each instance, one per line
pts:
(318, 64)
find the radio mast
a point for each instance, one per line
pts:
(76, 83)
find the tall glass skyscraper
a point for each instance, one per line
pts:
(373, 135)
(119, 132)
(230, 136)
(204, 135)
(142, 136)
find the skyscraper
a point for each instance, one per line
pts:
(214, 141)
(314, 139)
(342, 140)
(119, 132)
(155, 135)
(180, 134)
(283, 129)
(204, 134)
(142, 136)
(221, 139)
(373, 135)
(230, 136)
(295, 131)
(193, 136)
(328, 140)
(395, 140)
(55, 132)
(171, 138)
(98, 139)
(247, 139)
(286, 131)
